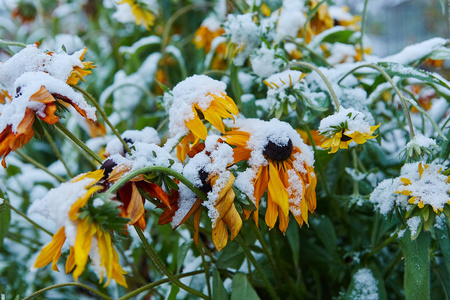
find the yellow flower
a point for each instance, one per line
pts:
(430, 188)
(204, 36)
(88, 233)
(196, 98)
(141, 12)
(344, 127)
(79, 73)
(285, 172)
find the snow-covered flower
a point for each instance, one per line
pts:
(426, 186)
(71, 207)
(344, 127)
(198, 93)
(207, 170)
(243, 35)
(36, 82)
(281, 164)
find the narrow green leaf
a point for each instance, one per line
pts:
(173, 292)
(294, 242)
(325, 231)
(396, 69)
(5, 217)
(417, 265)
(443, 239)
(219, 292)
(242, 289)
(231, 257)
(182, 251)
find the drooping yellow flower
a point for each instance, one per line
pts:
(78, 72)
(344, 127)
(426, 186)
(281, 164)
(206, 33)
(196, 98)
(141, 12)
(90, 240)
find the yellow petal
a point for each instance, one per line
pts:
(70, 262)
(276, 190)
(196, 126)
(271, 213)
(73, 212)
(85, 232)
(406, 181)
(233, 221)
(220, 235)
(52, 251)
(214, 118)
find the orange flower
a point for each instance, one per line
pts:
(281, 165)
(13, 138)
(204, 36)
(78, 72)
(129, 195)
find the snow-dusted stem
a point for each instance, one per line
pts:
(58, 154)
(355, 167)
(157, 261)
(103, 114)
(156, 283)
(38, 165)
(325, 80)
(11, 43)
(363, 21)
(164, 170)
(174, 17)
(68, 284)
(77, 141)
(28, 219)
(388, 78)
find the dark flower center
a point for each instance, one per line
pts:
(206, 187)
(345, 138)
(277, 152)
(108, 165)
(129, 142)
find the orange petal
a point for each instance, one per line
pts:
(52, 251)
(276, 190)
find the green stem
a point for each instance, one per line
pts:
(174, 17)
(26, 218)
(11, 43)
(58, 154)
(68, 284)
(38, 165)
(325, 80)
(363, 21)
(205, 267)
(155, 284)
(157, 261)
(355, 167)
(318, 162)
(322, 59)
(388, 78)
(266, 250)
(382, 245)
(103, 114)
(235, 84)
(257, 266)
(77, 141)
(125, 178)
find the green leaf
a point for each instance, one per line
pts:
(417, 265)
(325, 231)
(5, 217)
(403, 71)
(294, 242)
(242, 289)
(182, 251)
(231, 257)
(219, 292)
(442, 237)
(173, 292)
